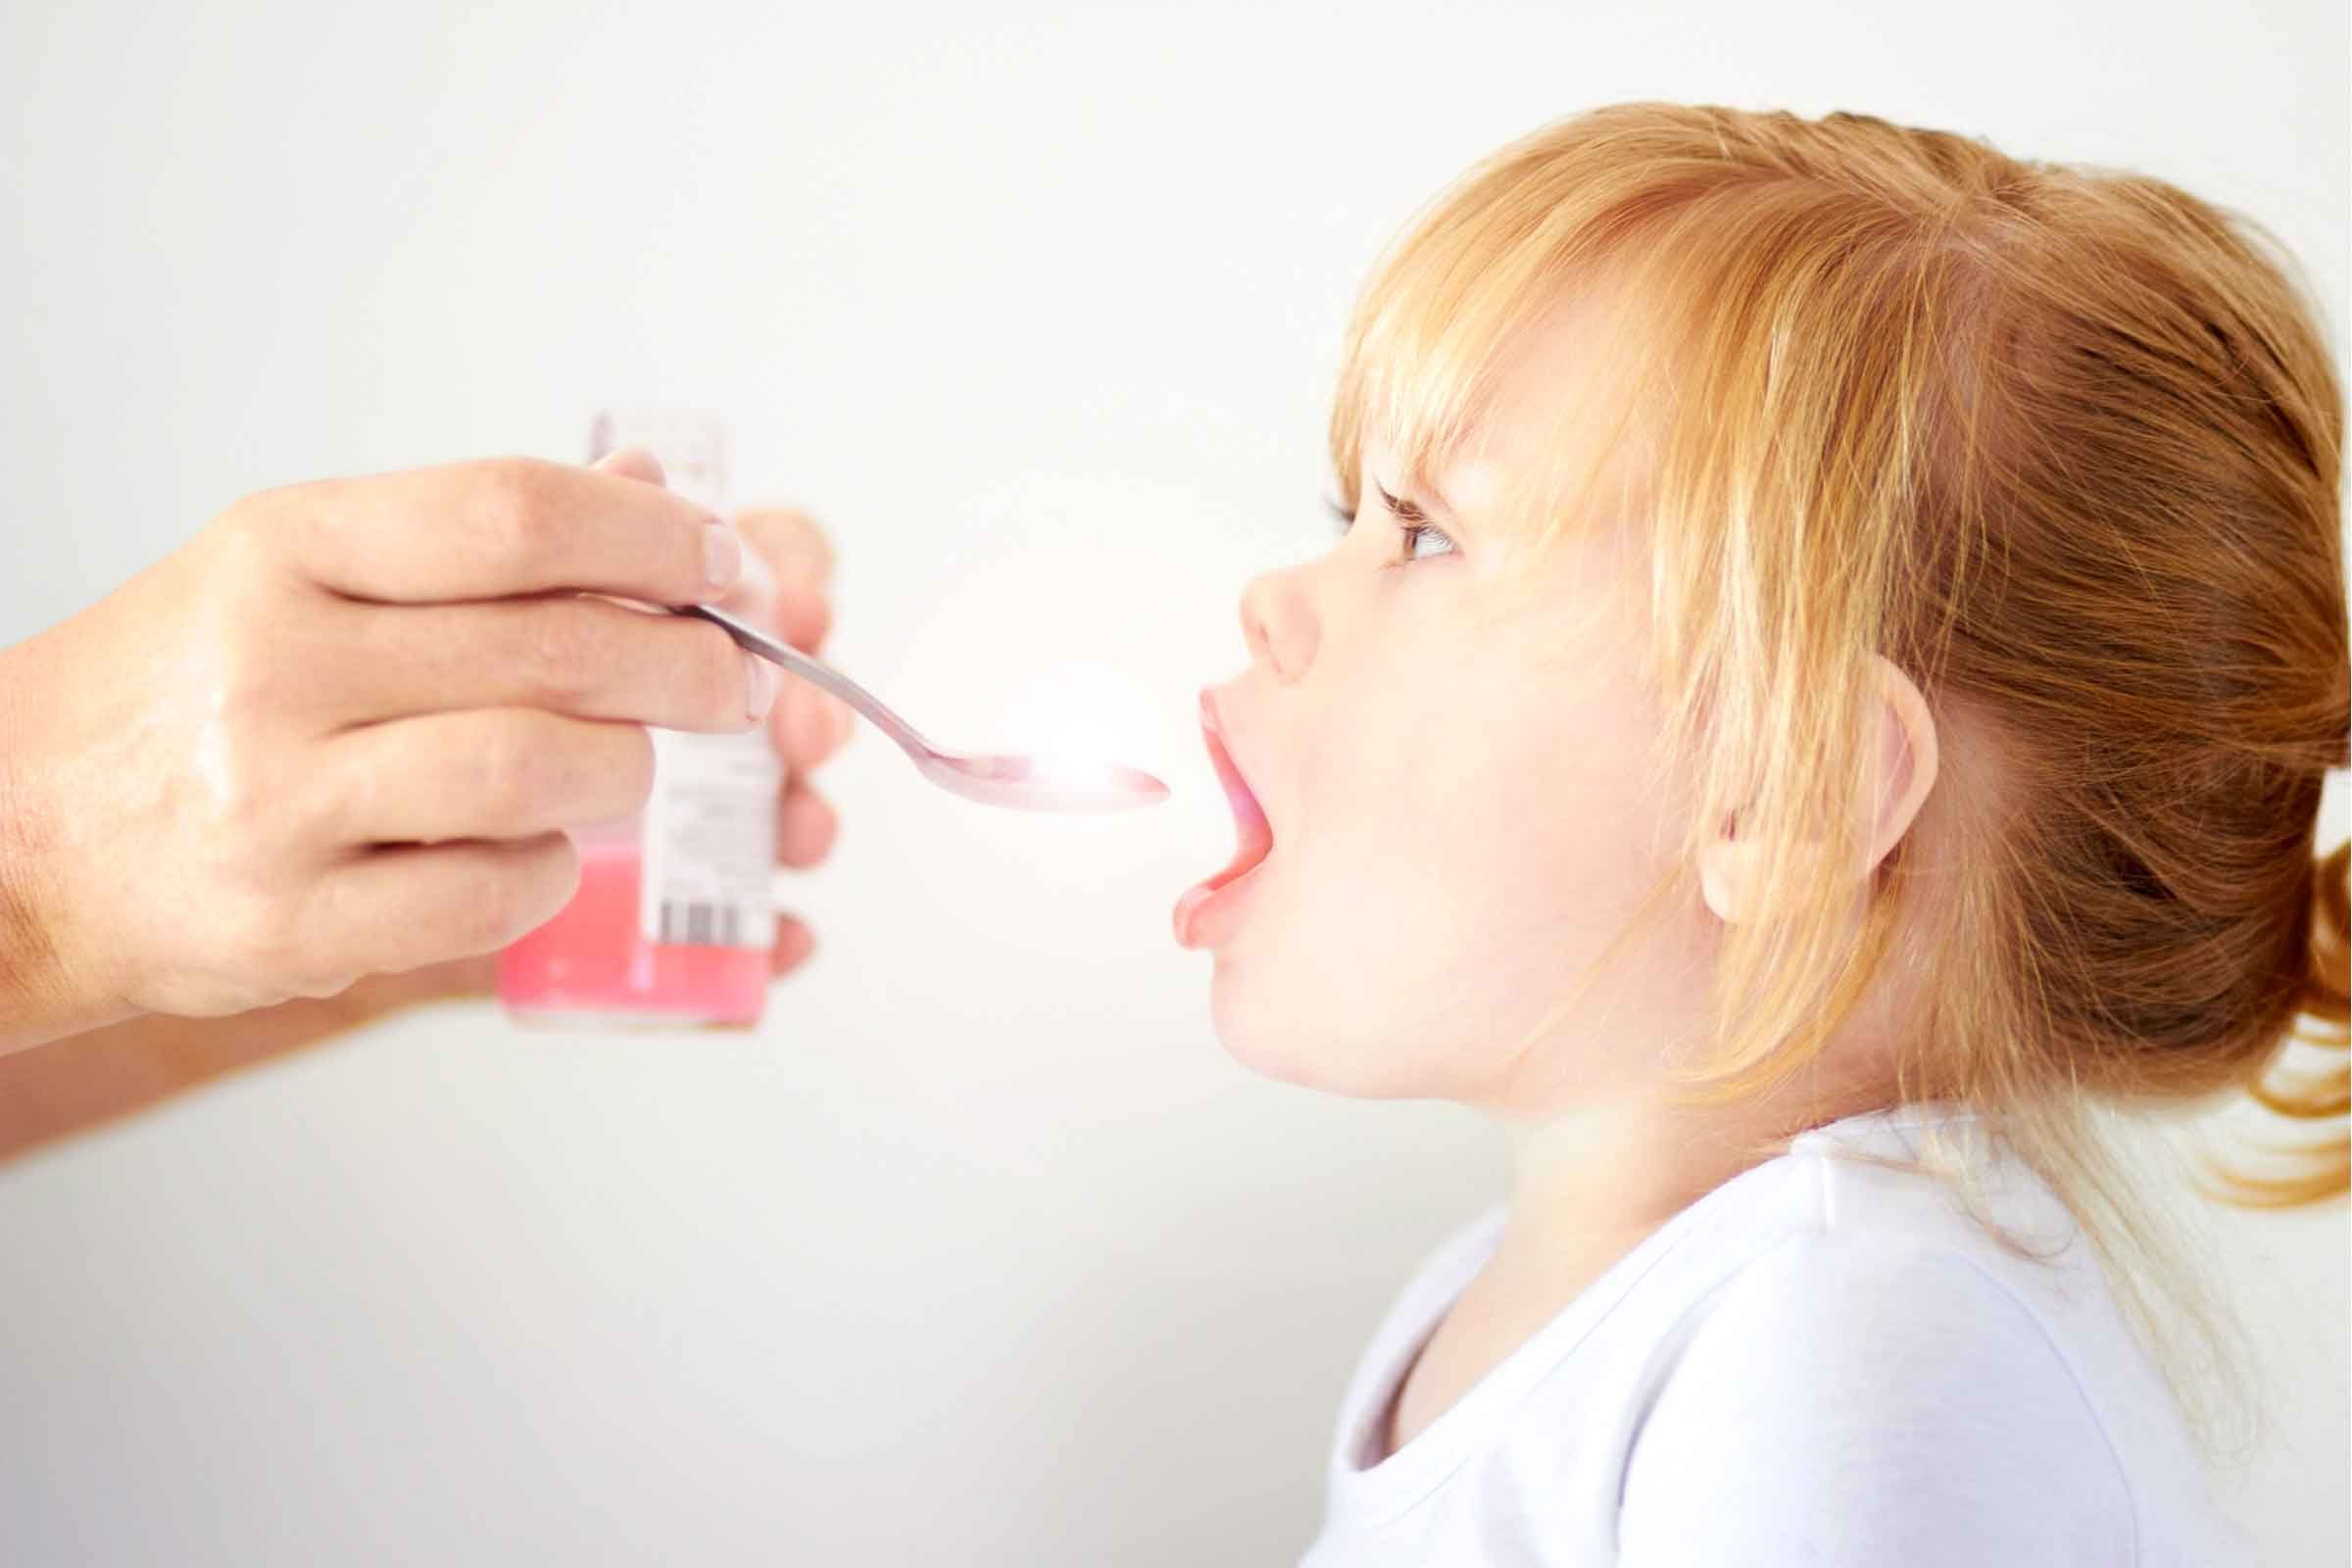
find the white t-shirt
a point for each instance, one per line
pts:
(1822, 1362)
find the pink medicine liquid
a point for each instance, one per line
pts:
(590, 964)
(693, 948)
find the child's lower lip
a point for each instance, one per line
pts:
(1208, 912)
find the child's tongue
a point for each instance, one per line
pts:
(1256, 839)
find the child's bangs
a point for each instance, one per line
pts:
(1460, 310)
(1437, 330)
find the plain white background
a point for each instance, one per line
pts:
(980, 1251)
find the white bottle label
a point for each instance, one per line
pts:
(710, 841)
(709, 848)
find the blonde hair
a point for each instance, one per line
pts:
(2061, 443)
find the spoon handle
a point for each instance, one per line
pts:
(751, 639)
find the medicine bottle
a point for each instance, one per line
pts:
(674, 917)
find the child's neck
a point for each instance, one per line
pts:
(1587, 1188)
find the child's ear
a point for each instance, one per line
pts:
(1725, 870)
(1907, 765)
(1903, 770)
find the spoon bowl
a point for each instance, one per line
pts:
(1025, 783)
(1041, 784)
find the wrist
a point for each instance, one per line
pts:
(38, 998)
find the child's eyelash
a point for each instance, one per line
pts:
(1410, 521)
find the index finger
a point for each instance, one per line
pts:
(492, 527)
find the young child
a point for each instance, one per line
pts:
(1826, 685)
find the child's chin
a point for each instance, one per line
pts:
(1263, 1056)
(1311, 1059)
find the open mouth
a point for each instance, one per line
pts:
(1255, 834)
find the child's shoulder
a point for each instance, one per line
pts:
(1867, 1311)
(1860, 1255)
(1870, 1212)
(1834, 1310)
(1864, 1395)
(1867, 1366)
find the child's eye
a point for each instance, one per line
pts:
(1415, 533)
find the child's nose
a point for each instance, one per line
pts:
(1278, 622)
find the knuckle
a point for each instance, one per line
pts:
(253, 691)
(715, 678)
(246, 801)
(270, 514)
(251, 525)
(239, 603)
(479, 923)
(510, 770)
(324, 980)
(519, 498)
(570, 647)
(266, 946)
(505, 892)
(286, 945)
(313, 815)
(241, 699)
(482, 913)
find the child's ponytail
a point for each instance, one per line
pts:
(2323, 990)
(2289, 1085)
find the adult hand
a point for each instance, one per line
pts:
(337, 735)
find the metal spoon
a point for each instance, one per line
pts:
(1026, 782)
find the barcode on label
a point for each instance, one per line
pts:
(701, 925)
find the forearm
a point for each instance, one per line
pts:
(73, 1084)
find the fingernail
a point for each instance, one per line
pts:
(633, 458)
(762, 681)
(722, 558)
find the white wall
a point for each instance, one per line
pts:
(981, 1251)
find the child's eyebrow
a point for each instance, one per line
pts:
(1406, 511)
